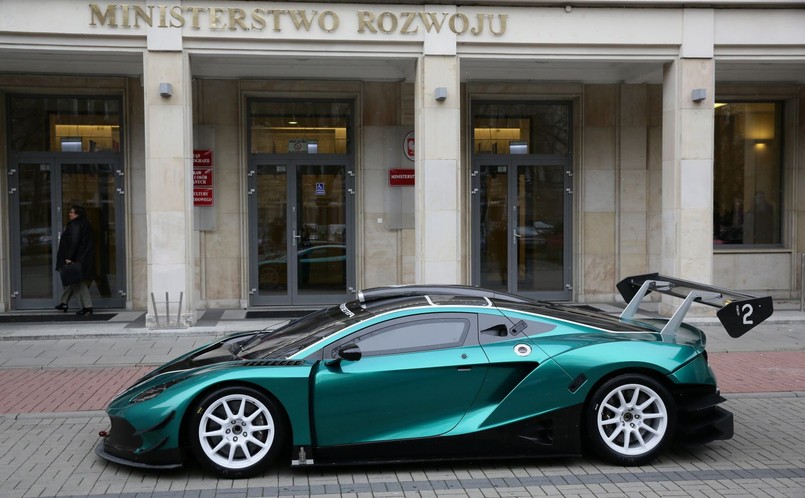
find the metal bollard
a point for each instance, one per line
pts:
(167, 323)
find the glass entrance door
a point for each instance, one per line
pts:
(522, 188)
(521, 230)
(300, 231)
(43, 187)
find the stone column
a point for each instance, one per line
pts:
(169, 190)
(439, 230)
(687, 150)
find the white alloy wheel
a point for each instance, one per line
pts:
(632, 420)
(236, 431)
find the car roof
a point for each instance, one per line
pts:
(385, 299)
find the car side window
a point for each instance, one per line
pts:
(418, 334)
(495, 328)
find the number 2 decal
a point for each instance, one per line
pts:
(742, 316)
(747, 311)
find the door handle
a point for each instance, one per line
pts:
(464, 369)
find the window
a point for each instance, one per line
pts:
(291, 127)
(496, 328)
(521, 128)
(748, 174)
(65, 124)
(421, 334)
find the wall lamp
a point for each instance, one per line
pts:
(440, 94)
(165, 90)
(698, 94)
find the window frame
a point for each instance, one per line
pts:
(469, 335)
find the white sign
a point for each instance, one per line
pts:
(303, 146)
(409, 146)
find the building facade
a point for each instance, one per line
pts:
(250, 154)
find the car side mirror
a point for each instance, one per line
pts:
(348, 352)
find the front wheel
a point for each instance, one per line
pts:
(630, 419)
(236, 432)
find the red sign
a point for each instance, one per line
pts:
(401, 177)
(203, 193)
(203, 196)
(202, 158)
(409, 146)
(202, 177)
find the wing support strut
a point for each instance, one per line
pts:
(738, 313)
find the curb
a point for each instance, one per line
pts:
(222, 330)
(786, 394)
(46, 415)
(128, 334)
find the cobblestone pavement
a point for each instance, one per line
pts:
(52, 455)
(55, 380)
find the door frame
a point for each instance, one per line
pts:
(513, 161)
(292, 163)
(56, 160)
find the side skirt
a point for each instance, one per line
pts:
(554, 434)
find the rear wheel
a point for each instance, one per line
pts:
(236, 432)
(630, 419)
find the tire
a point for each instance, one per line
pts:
(236, 432)
(630, 420)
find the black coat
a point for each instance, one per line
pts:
(76, 245)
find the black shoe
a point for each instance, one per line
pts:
(84, 311)
(62, 307)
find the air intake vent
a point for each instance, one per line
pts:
(273, 363)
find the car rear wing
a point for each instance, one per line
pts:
(738, 312)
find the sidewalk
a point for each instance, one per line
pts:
(121, 323)
(115, 323)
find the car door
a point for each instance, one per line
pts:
(513, 355)
(417, 377)
(522, 379)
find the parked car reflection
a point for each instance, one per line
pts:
(322, 264)
(530, 235)
(36, 242)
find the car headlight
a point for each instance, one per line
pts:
(153, 392)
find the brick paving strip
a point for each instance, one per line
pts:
(49, 390)
(759, 371)
(24, 390)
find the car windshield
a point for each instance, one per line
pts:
(297, 335)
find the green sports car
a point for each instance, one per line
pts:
(417, 373)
